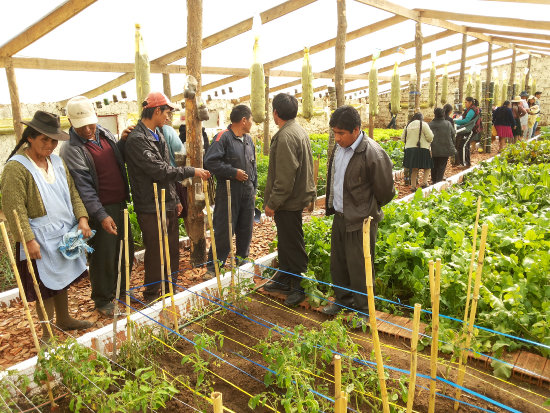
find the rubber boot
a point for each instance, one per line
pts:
(45, 320)
(62, 318)
(296, 295)
(279, 283)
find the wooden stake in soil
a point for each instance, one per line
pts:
(337, 375)
(341, 403)
(117, 296)
(477, 285)
(266, 120)
(471, 270)
(168, 267)
(127, 264)
(372, 315)
(230, 223)
(217, 401)
(414, 346)
(31, 271)
(161, 248)
(435, 283)
(24, 300)
(212, 239)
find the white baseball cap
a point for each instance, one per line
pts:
(80, 111)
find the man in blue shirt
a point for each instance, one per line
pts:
(359, 183)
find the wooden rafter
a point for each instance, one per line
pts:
(547, 2)
(508, 33)
(522, 42)
(45, 25)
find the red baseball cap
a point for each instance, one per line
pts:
(155, 99)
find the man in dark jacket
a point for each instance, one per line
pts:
(148, 162)
(289, 189)
(359, 183)
(443, 144)
(95, 161)
(232, 157)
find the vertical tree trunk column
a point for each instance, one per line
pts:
(512, 81)
(527, 87)
(340, 49)
(462, 72)
(195, 217)
(332, 106)
(14, 97)
(418, 64)
(166, 87)
(488, 102)
(412, 99)
(266, 121)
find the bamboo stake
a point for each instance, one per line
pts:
(127, 264)
(217, 401)
(167, 252)
(343, 402)
(337, 375)
(161, 248)
(435, 329)
(230, 223)
(212, 239)
(24, 300)
(31, 271)
(117, 296)
(475, 298)
(372, 314)
(414, 346)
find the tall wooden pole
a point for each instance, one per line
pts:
(266, 120)
(462, 72)
(332, 106)
(195, 217)
(513, 72)
(14, 97)
(340, 50)
(414, 347)
(418, 64)
(127, 266)
(487, 108)
(527, 86)
(166, 86)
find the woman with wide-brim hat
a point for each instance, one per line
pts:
(36, 183)
(518, 111)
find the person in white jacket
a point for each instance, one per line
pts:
(418, 137)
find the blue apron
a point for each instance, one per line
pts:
(55, 271)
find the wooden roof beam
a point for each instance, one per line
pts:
(538, 36)
(522, 42)
(45, 25)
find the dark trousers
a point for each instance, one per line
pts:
(242, 220)
(104, 260)
(149, 231)
(347, 263)
(291, 248)
(438, 171)
(463, 149)
(392, 123)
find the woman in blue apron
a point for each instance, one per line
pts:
(37, 185)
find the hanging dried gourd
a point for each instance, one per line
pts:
(307, 86)
(478, 87)
(257, 87)
(143, 84)
(431, 87)
(444, 86)
(395, 98)
(469, 86)
(504, 95)
(533, 86)
(496, 92)
(373, 89)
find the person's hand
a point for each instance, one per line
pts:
(109, 226)
(33, 249)
(126, 132)
(269, 212)
(241, 175)
(202, 173)
(84, 227)
(179, 208)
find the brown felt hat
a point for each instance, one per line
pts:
(48, 124)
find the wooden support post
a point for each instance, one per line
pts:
(372, 315)
(24, 300)
(435, 284)
(167, 259)
(412, 97)
(332, 106)
(527, 86)
(166, 86)
(217, 402)
(371, 126)
(230, 223)
(117, 297)
(337, 375)
(195, 220)
(513, 72)
(487, 107)
(340, 50)
(418, 63)
(473, 310)
(14, 97)
(341, 402)
(161, 247)
(414, 347)
(127, 264)
(461, 77)
(266, 140)
(212, 238)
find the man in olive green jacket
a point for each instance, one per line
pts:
(289, 189)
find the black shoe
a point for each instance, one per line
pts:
(295, 298)
(332, 309)
(277, 287)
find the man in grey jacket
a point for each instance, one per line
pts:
(289, 189)
(359, 183)
(95, 160)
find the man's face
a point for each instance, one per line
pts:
(246, 124)
(86, 131)
(344, 137)
(161, 117)
(537, 95)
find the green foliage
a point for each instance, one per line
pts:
(11, 380)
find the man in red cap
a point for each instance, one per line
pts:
(148, 162)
